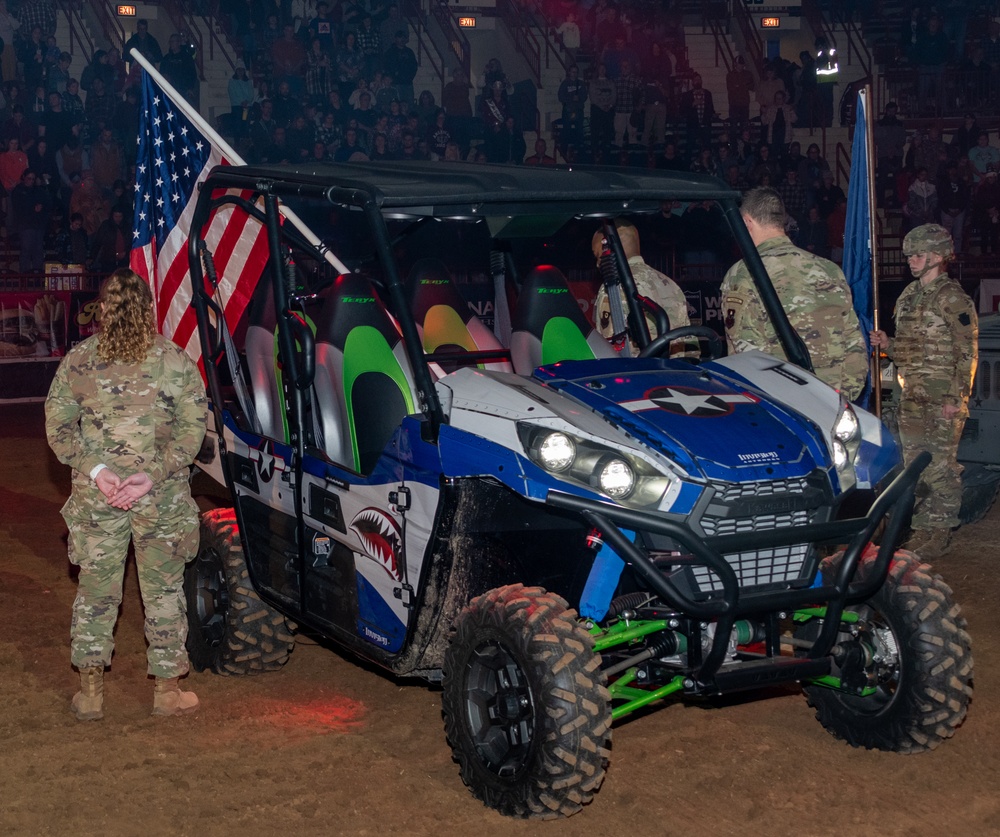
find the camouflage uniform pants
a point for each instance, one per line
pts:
(163, 527)
(940, 492)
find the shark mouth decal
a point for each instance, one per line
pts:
(381, 539)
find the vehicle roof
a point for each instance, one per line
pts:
(419, 187)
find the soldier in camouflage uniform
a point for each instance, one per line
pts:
(935, 352)
(126, 411)
(812, 290)
(648, 282)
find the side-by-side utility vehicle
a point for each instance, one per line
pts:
(556, 532)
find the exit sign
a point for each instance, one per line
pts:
(467, 22)
(126, 11)
(770, 22)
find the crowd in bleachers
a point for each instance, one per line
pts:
(67, 144)
(333, 80)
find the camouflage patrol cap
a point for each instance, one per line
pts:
(929, 238)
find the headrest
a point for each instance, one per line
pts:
(545, 294)
(430, 284)
(262, 311)
(352, 302)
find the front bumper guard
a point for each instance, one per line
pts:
(895, 504)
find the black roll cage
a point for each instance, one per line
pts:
(464, 190)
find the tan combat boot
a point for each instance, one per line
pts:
(937, 545)
(929, 543)
(88, 703)
(168, 699)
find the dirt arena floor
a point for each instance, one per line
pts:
(327, 747)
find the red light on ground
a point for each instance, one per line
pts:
(336, 713)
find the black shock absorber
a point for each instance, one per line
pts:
(612, 282)
(628, 601)
(501, 311)
(290, 275)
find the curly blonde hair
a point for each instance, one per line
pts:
(127, 327)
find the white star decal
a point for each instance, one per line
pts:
(135, 234)
(184, 130)
(199, 145)
(676, 400)
(159, 203)
(160, 222)
(689, 403)
(142, 216)
(159, 181)
(142, 169)
(176, 197)
(156, 120)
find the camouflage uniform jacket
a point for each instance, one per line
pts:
(935, 348)
(817, 300)
(649, 283)
(146, 417)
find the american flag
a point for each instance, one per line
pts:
(174, 156)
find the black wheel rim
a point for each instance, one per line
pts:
(499, 709)
(211, 601)
(886, 666)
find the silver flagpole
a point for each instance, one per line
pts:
(866, 94)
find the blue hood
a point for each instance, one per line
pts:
(710, 424)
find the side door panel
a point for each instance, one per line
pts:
(264, 497)
(368, 537)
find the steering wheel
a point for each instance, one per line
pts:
(660, 345)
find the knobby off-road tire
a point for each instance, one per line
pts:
(526, 710)
(980, 487)
(925, 679)
(230, 630)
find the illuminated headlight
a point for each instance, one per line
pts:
(840, 457)
(846, 438)
(616, 478)
(555, 451)
(588, 463)
(846, 428)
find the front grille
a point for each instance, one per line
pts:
(715, 526)
(758, 568)
(970, 433)
(726, 492)
(743, 508)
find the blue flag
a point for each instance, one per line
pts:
(857, 231)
